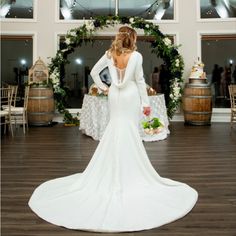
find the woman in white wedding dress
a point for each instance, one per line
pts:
(119, 190)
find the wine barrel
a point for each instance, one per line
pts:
(197, 104)
(40, 106)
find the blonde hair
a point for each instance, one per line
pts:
(124, 42)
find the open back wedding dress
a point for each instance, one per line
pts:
(119, 190)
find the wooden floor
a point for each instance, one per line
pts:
(203, 157)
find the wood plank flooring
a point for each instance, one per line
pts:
(203, 157)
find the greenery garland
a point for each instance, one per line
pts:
(161, 46)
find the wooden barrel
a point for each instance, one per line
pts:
(40, 106)
(197, 104)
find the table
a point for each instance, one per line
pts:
(94, 117)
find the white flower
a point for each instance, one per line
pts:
(167, 41)
(72, 33)
(175, 83)
(116, 22)
(89, 25)
(60, 57)
(54, 77)
(176, 90)
(131, 20)
(175, 94)
(57, 89)
(55, 81)
(108, 21)
(67, 41)
(147, 26)
(177, 62)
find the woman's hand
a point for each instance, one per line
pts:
(146, 111)
(105, 92)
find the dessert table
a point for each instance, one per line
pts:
(94, 117)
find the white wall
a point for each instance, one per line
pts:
(187, 28)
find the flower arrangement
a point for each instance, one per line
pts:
(162, 46)
(152, 126)
(69, 119)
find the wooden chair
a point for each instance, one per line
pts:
(19, 114)
(232, 94)
(6, 100)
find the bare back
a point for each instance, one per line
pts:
(121, 61)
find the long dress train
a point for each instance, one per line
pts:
(119, 190)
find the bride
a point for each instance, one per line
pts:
(119, 190)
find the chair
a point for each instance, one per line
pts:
(19, 114)
(14, 96)
(6, 100)
(232, 95)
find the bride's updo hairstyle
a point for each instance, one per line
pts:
(125, 41)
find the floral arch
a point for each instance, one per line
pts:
(161, 46)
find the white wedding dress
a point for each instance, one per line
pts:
(119, 190)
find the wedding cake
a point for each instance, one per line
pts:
(197, 74)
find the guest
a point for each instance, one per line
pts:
(227, 79)
(222, 83)
(155, 78)
(234, 75)
(216, 77)
(164, 82)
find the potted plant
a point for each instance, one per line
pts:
(70, 120)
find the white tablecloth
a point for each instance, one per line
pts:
(95, 116)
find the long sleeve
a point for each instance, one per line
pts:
(139, 77)
(98, 67)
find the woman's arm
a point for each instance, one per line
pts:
(98, 67)
(141, 82)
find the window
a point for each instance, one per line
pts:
(148, 9)
(152, 10)
(16, 59)
(13, 9)
(217, 9)
(218, 55)
(84, 9)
